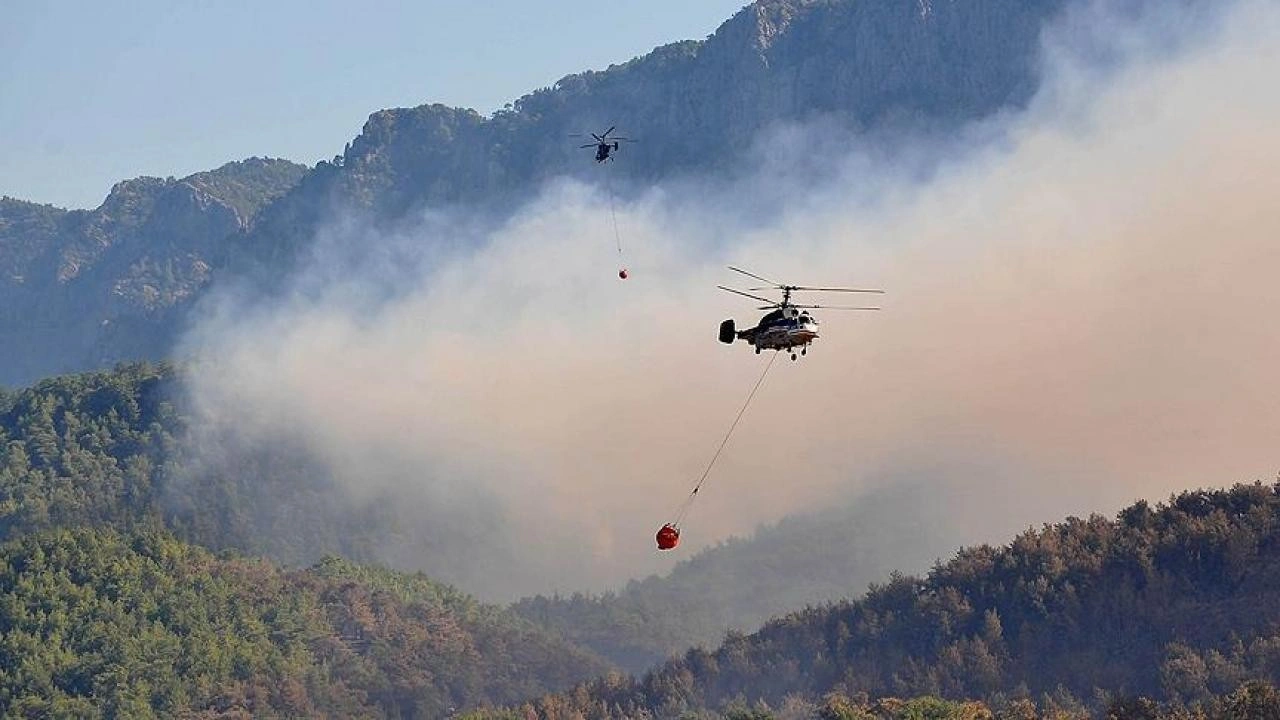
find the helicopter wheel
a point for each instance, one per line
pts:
(757, 351)
(804, 350)
(793, 356)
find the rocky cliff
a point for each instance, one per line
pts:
(90, 287)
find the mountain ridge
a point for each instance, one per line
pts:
(694, 106)
(85, 288)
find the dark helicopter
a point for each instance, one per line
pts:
(788, 326)
(604, 144)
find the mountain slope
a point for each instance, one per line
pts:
(114, 449)
(100, 624)
(117, 449)
(696, 106)
(1178, 601)
(740, 584)
(80, 289)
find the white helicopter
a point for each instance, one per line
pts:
(788, 326)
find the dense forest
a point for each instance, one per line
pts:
(1253, 700)
(1176, 602)
(1173, 602)
(114, 448)
(105, 613)
(98, 623)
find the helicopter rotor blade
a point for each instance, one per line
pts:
(833, 307)
(839, 290)
(611, 127)
(827, 289)
(586, 146)
(739, 292)
(597, 137)
(801, 288)
(750, 274)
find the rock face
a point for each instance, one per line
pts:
(86, 288)
(133, 263)
(693, 106)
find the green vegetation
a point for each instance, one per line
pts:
(112, 449)
(1254, 700)
(102, 624)
(1177, 602)
(105, 613)
(84, 449)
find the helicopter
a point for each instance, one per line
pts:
(603, 144)
(787, 326)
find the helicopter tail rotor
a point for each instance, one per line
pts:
(728, 332)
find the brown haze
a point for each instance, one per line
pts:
(1079, 314)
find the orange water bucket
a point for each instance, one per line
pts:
(668, 537)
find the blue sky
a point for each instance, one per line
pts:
(92, 93)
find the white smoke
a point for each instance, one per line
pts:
(1082, 311)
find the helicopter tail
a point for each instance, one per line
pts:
(728, 332)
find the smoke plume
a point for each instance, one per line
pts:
(1082, 310)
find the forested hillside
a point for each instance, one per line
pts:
(1252, 700)
(118, 449)
(115, 448)
(1179, 602)
(98, 623)
(741, 583)
(1176, 602)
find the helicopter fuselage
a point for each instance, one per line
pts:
(603, 150)
(782, 329)
(782, 336)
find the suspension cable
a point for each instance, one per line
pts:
(683, 509)
(617, 236)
